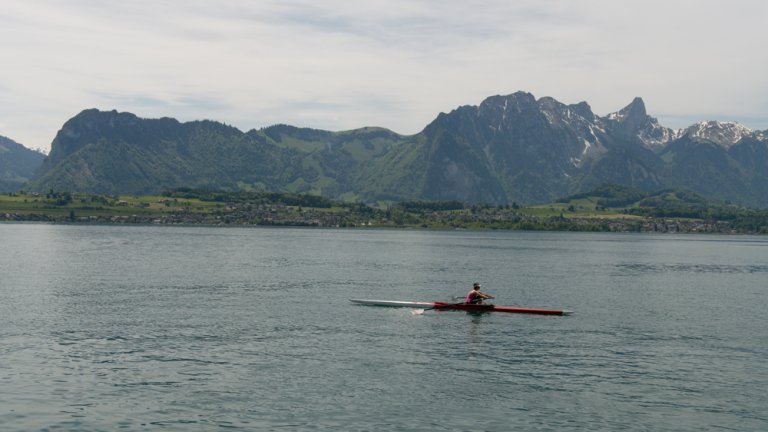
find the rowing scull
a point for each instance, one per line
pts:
(461, 306)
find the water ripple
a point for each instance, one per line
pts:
(136, 328)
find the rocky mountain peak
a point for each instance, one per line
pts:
(87, 126)
(634, 124)
(725, 134)
(515, 102)
(584, 110)
(633, 114)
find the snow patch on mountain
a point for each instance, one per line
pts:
(655, 135)
(725, 134)
(576, 161)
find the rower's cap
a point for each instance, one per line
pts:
(477, 284)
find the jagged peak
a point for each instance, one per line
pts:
(634, 112)
(522, 96)
(521, 100)
(517, 100)
(634, 123)
(722, 133)
(583, 109)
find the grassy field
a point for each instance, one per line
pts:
(579, 208)
(58, 205)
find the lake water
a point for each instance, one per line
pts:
(108, 328)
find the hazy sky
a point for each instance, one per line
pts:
(340, 65)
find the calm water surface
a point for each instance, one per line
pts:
(163, 328)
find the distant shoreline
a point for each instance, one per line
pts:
(223, 209)
(613, 226)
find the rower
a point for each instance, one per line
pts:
(475, 296)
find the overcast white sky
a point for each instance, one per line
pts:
(339, 65)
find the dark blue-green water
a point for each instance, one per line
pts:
(107, 328)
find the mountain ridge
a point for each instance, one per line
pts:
(17, 164)
(512, 148)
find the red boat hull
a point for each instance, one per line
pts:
(494, 308)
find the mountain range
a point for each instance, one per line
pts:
(509, 149)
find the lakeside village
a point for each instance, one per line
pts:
(236, 209)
